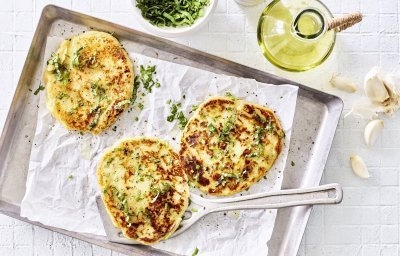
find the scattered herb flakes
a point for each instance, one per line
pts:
(75, 58)
(109, 161)
(195, 107)
(177, 114)
(182, 120)
(172, 13)
(230, 95)
(292, 163)
(260, 118)
(253, 154)
(140, 106)
(136, 84)
(227, 128)
(70, 177)
(97, 90)
(146, 77)
(54, 64)
(62, 95)
(114, 128)
(136, 118)
(96, 111)
(194, 210)
(40, 88)
(195, 252)
(211, 129)
(259, 134)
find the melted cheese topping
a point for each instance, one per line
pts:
(228, 145)
(89, 82)
(144, 188)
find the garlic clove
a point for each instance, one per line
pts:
(372, 131)
(374, 87)
(343, 83)
(359, 167)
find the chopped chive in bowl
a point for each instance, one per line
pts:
(172, 13)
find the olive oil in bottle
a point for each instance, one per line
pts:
(293, 34)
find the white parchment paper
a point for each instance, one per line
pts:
(62, 186)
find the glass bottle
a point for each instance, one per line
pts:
(297, 35)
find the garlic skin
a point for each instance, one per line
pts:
(359, 167)
(363, 109)
(343, 83)
(392, 104)
(374, 87)
(372, 131)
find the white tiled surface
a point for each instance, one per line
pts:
(367, 221)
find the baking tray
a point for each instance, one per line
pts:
(316, 118)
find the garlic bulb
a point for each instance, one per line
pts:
(382, 96)
(372, 131)
(343, 83)
(374, 87)
(359, 167)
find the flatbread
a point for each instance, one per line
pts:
(229, 144)
(144, 188)
(89, 82)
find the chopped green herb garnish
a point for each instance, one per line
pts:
(96, 111)
(224, 176)
(194, 210)
(182, 120)
(253, 154)
(146, 77)
(62, 96)
(97, 90)
(260, 118)
(292, 163)
(40, 88)
(177, 115)
(61, 70)
(140, 106)
(196, 251)
(259, 134)
(109, 161)
(136, 84)
(70, 177)
(230, 95)
(172, 13)
(195, 107)
(227, 127)
(75, 59)
(211, 128)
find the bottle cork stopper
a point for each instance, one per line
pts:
(343, 22)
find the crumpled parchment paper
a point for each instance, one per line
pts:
(62, 185)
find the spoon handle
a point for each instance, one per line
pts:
(325, 194)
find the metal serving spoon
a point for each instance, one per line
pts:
(200, 207)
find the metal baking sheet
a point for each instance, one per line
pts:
(316, 118)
